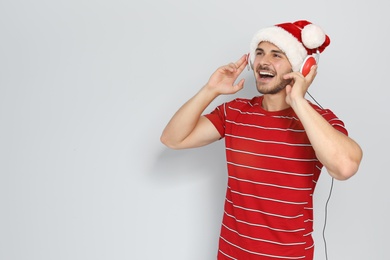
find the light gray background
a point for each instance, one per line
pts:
(86, 88)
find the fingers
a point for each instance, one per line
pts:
(232, 67)
(237, 66)
(312, 74)
(239, 86)
(298, 76)
(242, 62)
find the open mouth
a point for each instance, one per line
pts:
(266, 74)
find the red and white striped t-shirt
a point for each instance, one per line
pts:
(272, 173)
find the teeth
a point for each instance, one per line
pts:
(263, 73)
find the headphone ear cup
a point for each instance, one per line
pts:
(249, 63)
(307, 64)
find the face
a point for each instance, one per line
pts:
(269, 66)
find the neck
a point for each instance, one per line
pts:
(275, 102)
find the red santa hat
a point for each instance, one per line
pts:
(297, 40)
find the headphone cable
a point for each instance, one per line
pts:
(330, 194)
(326, 218)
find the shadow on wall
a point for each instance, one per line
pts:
(190, 164)
(195, 180)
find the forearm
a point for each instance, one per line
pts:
(337, 152)
(184, 121)
(188, 128)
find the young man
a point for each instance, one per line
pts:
(276, 144)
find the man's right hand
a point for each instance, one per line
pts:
(188, 128)
(223, 79)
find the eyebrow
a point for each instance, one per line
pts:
(273, 51)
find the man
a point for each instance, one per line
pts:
(276, 144)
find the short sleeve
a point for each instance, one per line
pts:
(334, 121)
(217, 118)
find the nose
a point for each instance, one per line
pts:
(265, 60)
(262, 62)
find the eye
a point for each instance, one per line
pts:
(277, 55)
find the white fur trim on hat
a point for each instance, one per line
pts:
(284, 40)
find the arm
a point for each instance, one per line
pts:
(188, 128)
(340, 155)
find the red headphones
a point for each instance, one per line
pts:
(309, 61)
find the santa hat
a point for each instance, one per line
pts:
(297, 40)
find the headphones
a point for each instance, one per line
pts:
(308, 62)
(249, 63)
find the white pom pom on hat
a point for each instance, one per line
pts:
(312, 36)
(296, 40)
